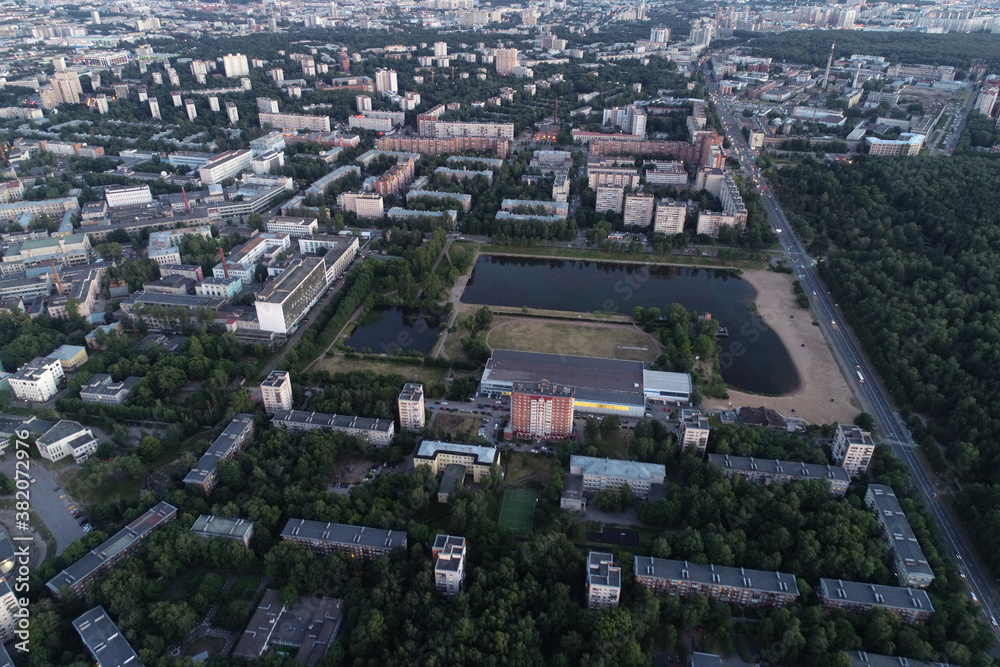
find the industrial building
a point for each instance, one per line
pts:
(770, 471)
(912, 568)
(231, 441)
(735, 585)
(358, 541)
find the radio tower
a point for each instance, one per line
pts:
(829, 61)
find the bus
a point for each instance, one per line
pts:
(860, 376)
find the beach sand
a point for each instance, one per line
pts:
(822, 378)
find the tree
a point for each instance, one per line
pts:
(865, 422)
(484, 318)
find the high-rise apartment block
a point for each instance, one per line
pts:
(853, 449)
(604, 581)
(440, 49)
(363, 103)
(506, 60)
(609, 198)
(192, 111)
(276, 391)
(542, 410)
(267, 105)
(659, 35)
(638, 209)
(669, 217)
(154, 108)
(448, 554)
(235, 65)
(386, 80)
(411, 407)
(694, 432)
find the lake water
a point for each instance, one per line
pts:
(394, 330)
(753, 358)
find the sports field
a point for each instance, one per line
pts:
(517, 509)
(589, 339)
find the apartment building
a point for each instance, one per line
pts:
(105, 642)
(235, 65)
(448, 555)
(600, 474)
(463, 175)
(447, 130)
(912, 568)
(101, 388)
(10, 608)
(38, 380)
(364, 204)
(907, 144)
(542, 410)
(506, 61)
(711, 223)
(912, 605)
(732, 201)
(665, 172)
(223, 288)
(604, 581)
(611, 171)
(320, 185)
(853, 449)
(129, 195)
(769, 471)
(209, 526)
(735, 585)
(694, 432)
(609, 198)
(67, 438)
(165, 246)
(285, 300)
(358, 541)
(276, 391)
(386, 80)
(396, 177)
(638, 209)
(430, 145)
(560, 209)
(225, 165)
(377, 432)
(120, 546)
(669, 217)
(439, 455)
(463, 200)
(411, 407)
(234, 439)
(294, 226)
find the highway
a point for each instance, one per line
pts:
(891, 427)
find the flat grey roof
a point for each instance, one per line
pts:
(411, 391)
(901, 537)
(855, 436)
(219, 526)
(338, 533)
(63, 429)
(101, 637)
(892, 597)
(668, 383)
(219, 449)
(279, 290)
(865, 659)
(304, 419)
(182, 300)
(5, 660)
(798, 469)
(484, 455)
(716, 575)
(601, 570)
(607, 380)
(452, 549)
(454, 475)
(275, 379)
(589, 465)
(261, 626)
(102, 384)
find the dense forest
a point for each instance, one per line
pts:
(914, 267)
(812, 47)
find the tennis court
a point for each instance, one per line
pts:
(517, 509)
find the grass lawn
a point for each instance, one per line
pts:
(646, 258)
(530, 469)
(573, 338)
(455, 424)
(415, 373)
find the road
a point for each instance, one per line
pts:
(45, 501)
(873, 398)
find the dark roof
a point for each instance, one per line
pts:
(610, 380)
(762, 417)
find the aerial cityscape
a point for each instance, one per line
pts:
(464, 332)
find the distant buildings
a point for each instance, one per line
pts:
(770, 471)
(604, 581)
(542, 410)
(224, 166)
(411, 407)
(601, 474)
(276, 391)
(104, 641)
(907, 145)
(912, 605)
(235, 65)
(120, 546)
(230, 442)
(448, 554)
(357, 541)
(853, 449)
(289, 121)
(506, 61)
(912, 568)
(735, 585)
(293, 226)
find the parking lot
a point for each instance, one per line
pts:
(50, 502)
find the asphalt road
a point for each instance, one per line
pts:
(45, 502)
(848, 352)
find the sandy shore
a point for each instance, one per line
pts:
(822, 378)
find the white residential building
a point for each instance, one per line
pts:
(37, 380)
(448, 553)
(604, 581)
(276, 391)
(669, 217)
(67, 438)
(411, 407)
(853, 449)
(694, 432)
(236, 65)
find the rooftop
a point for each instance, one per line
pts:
(218, 526)
(601, 570)
(864, 659)
(219, 449)
(101, 637)
(261, 625)
(776, 467)
(451, 551)
(411, 392)
(732, 577)
(324, 420)
(67, 352)
(897, 528)
(62, 430)
(649, 472)
(281, 288)
(430, 448)
(275, 379)
(892, 597)
(338, 533)
(664, 382)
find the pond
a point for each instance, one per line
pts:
(394, 330)
(753, 358)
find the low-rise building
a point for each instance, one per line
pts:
(439, 455)
(448, 554)
(604, 581)
(600, 474)
(104, 640)
(293, 226)
(912, 568)
(67, 438)
(358, 541)
(128, 195)
(853, 449)
(70, 357)
(735, 585)
(464, 200)
(770, 471)
(907, 145)
(694, 432)
(209, 526)
(377, 432)
(120, 546)
(101, 388)
(231, 441)
(912, 605)
(411, 407)
(222, 288)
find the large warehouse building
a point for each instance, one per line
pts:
(602, 386)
